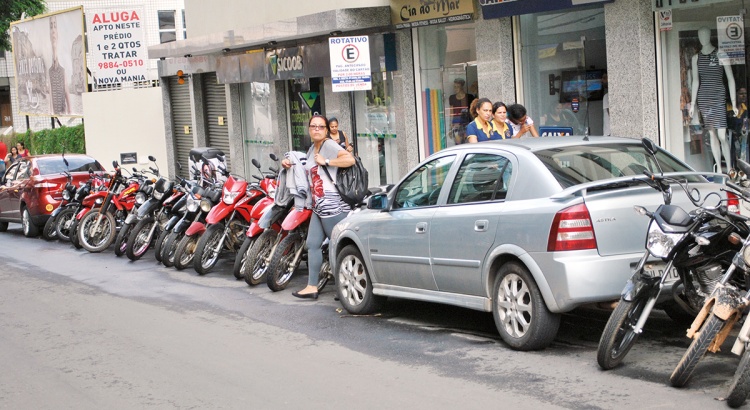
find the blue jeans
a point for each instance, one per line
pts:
(319, 230)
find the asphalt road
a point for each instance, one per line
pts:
(93, 331)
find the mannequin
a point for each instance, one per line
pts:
(709, 94)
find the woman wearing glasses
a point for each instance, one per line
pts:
(328, 207)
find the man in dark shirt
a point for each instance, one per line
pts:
(459, 102)
(58, 91)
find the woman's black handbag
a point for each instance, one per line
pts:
(351, 182)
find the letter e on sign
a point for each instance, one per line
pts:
(350, 53)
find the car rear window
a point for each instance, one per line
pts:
(48, 166)
(586, 163)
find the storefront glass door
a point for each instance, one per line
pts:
(564, 69)
(703, 77)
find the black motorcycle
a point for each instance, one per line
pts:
(698, 245)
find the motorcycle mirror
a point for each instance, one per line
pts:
(135, 169)
(743, 166)
(115, 164)
(255, 163)
(151, 158)
(179, 166)
(66, 162)
(273, 156)
(649, 146)
(91, 172)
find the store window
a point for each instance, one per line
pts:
(376, 136)
(564, 70)
(704, 77)
(257, 125)
(167, 28)
(448, 76)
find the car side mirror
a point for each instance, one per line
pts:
(378, 201)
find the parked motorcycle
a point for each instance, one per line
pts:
(152, 217)
(98, 228)
(287, 255)
(194, 227)
(66, 219)
(145, 189)
(721, 310)
(699, 245)
(49, 231)
(226, 223)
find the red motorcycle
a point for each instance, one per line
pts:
(286, 256)
(97, 229)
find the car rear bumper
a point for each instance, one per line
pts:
(579, 277)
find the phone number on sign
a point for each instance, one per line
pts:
(124, 63)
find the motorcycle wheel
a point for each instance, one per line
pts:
(74, 234)
(50, 228)
(618, 336)
(121, 242)
(240, 261)
(257, 257)
(159, 246)
(325, 274)
(206, 254)
(138, 242)
(170, 249)
(283, 262)
(63, 223)
(183, 256)
(695, 352)
(740, 386)
(99, 240)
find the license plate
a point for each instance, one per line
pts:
(657, 269)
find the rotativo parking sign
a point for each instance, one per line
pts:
(350, 63)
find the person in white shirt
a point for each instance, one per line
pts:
(521, 125)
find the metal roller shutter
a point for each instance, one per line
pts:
(216, 108)
(179, 94)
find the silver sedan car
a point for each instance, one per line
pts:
(526, 229)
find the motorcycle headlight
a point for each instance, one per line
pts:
(229, 197)
(158, 194)
(66, 195)
(193, 204)
(205, 205)
(140, 198)
(660, 243)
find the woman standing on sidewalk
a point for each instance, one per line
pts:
(328, 207)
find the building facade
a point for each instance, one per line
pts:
(621, 68)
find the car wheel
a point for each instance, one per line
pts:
(353, 283)
(3, 226)
(29, 229)
(521, 316)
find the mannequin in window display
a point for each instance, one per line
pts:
(709, 94)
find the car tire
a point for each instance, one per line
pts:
(3, 226)
(29, 229)
(521, 316)
(353, 283)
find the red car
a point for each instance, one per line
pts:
(32, 188)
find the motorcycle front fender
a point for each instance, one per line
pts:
(196, 228)
(83, 212)
(254, 230)
(639, 285)
(56, 211)
(147, 208)
(131, 218)
(218, 213)
(296, 218)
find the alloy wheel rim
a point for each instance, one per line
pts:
(353, 280)
(26, 222)
(514, 305)
(210, 255)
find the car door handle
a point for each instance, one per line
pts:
(421, 227)
(481, 225)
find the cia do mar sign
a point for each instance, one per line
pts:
(350, 63)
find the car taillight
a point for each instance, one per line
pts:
(51, 186)
(572, 230)
(733, 203)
